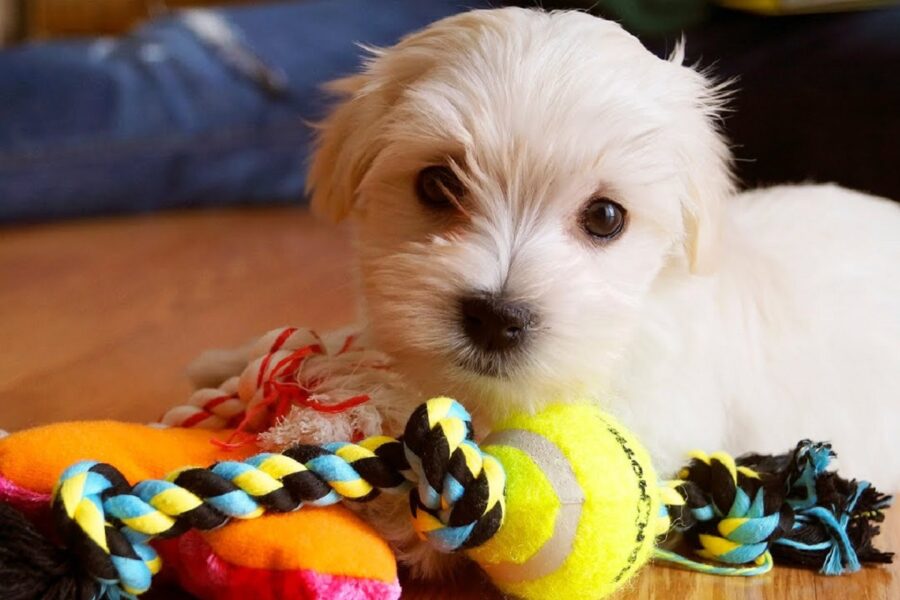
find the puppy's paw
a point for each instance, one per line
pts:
(390, 517)
(425, 563)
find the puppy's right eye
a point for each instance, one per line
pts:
(438, 187)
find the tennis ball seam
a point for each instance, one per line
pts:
(642, 519)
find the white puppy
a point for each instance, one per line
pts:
(544, 212)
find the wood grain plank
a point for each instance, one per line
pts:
(98, 319)
(118, 308)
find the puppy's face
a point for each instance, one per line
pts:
(519, 182)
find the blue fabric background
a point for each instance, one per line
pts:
(158, 119)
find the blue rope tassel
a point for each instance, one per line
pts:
(745, 513)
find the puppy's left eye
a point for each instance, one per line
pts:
(602, 218)
(438, 187)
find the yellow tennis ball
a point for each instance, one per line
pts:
(581, 505)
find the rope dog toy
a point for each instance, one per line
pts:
(297, 386)
(788, 508)
(109, 523)
(561, 504)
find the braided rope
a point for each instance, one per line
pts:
(739, 513)
(209, 408)
(456, 493)
(287, 368)
(732, 526)
(743, 525)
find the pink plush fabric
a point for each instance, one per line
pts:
(192, 563)
(34, 505)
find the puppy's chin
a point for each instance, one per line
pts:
(490, 392)
(503, 366)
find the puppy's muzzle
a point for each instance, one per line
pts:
(493, 325)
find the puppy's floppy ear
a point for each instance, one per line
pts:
(343, 149)
(703, 216)
(706, 169)
(348, 141)
(351, 137)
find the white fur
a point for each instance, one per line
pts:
(717, 320)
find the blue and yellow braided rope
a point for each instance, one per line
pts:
(456, 494)
(737, 514)
(740, 515)
(733, 530)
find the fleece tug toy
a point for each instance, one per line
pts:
(743, 514)
(107, 525)
(582, 523)
(323, 554)
(576, 517)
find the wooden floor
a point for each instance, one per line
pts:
(98, 319)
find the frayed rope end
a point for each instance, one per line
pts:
(33, 568)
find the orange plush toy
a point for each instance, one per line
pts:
(315, 553)
(290, 386)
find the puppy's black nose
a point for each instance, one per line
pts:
(495, 325)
